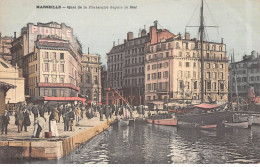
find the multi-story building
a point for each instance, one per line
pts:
(125, 63)
(5, 45)
(243, 74)
(50, 56)
(133, 64)
(172, 70)
(91, 77)
(115, 76)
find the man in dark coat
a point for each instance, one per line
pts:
(35, 111)
(19, 119)
(101, 113)
(26, 119)
(71, 117)
(41, 111)
(5, 122)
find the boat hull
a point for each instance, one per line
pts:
(242, 125)
(208, 127)
(166, 122)
(206, 118)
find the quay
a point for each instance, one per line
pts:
(16, 145)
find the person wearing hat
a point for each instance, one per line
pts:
(5, 122)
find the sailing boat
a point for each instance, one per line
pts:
(203, 116)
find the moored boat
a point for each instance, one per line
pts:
(208, 127)
(166, 122)
(243, 125)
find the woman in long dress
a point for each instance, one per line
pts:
(52, 124)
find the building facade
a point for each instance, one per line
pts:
(13, 76)
(173, 70)
(126, 63)
(5, 45)
(244, 74)
(91, 77)
(50, 56)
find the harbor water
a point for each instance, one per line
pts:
(143, 143)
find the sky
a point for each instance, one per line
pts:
(238, 21)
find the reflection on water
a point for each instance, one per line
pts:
(144, 143)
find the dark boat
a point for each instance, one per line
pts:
(204, 116)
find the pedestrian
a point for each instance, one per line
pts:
(78, 114)
(19, 119)
(26, 119)
(149, 114)
(116, 111)
(110, 114)
(39, 125)
(41, 111)
(66, 121)
(83, 110)
(5, 122)
(52, 122)
(142, 111)
(101, 113)
(56, 112)
(35, 111)
(71, 117)
(59, 108)
(106, 112)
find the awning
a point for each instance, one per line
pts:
(207, 106)
(65, 99)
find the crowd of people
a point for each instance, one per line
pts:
(66, 113)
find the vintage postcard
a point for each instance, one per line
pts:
(129, 82)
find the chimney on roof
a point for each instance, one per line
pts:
(118, 41)
(155, 24)
(143, 33)
(114, 43)
(130, 36)
(124, 40)
(88, 50)
(222, 39)
(187, 36)
(14, 35)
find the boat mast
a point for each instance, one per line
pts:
(201, 30)
(236, 83)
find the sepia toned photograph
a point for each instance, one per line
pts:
(129, 82)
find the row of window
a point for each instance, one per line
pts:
(53, 79)
(134, 70)
(159, 66)
(55, 92)
(157, 56)
(158, 86)
(47, 67)
(114, 67)
(116, 75)
(32, 69)
(157, 75)
(134, 81)
(52, 56)
(134, 60)
(184, 45)
(135, 50)
(112, 58)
